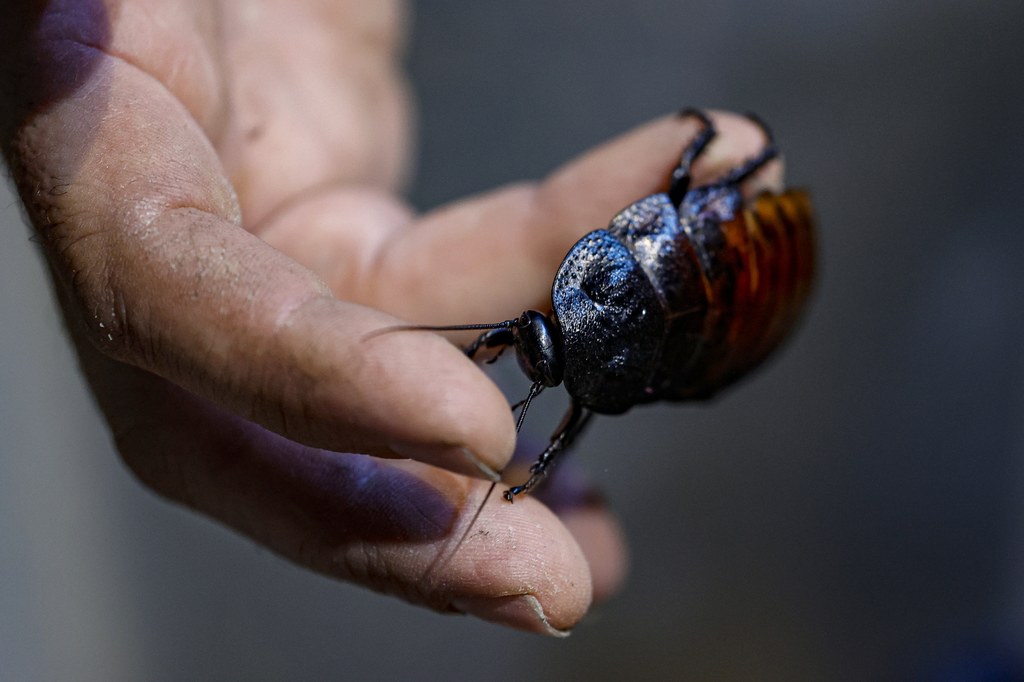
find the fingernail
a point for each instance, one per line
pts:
(521, 611)
(489, 473)
(458, 459)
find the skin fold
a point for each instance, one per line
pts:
(215, 189)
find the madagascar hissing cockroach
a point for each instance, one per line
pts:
(685, 292)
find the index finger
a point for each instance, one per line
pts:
(494, 255)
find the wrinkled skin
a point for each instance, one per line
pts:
(214, 188)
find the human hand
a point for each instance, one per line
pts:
(213, 184)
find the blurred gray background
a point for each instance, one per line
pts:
(856, 512)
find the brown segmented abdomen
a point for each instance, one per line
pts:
(787, 221)
(758, 272)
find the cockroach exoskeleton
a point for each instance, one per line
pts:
(682, 294)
